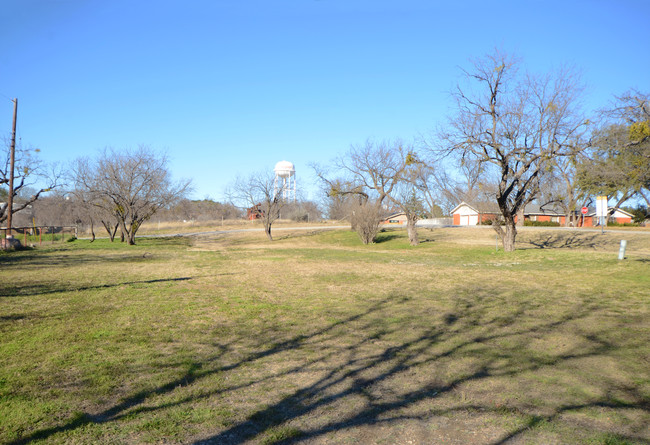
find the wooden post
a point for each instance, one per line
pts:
(40, 236)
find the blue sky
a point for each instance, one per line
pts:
(230, 87)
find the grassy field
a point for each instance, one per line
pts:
(315, 338)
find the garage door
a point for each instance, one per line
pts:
(468, 220)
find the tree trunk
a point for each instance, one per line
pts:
(267, 230)
(124, 233)
(412, 231)
(508, 235)
(92, 230)
(520, 217)
(131, 235)
(111, 231)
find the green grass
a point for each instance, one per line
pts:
(315, 337)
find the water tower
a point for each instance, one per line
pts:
(285, 180)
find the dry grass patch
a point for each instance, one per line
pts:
(315, 338)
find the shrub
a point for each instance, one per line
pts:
(616, 224)
(365, 221)
(541, 223)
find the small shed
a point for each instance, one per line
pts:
(255, 212)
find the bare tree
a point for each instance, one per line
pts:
(411, 192)
(374, 166)
(560, 185)
(444, 186)
(29, 173)
(514, 126)
(55, 209)
(94, 207)
(371, 168)
(260, 192)
(338, 207)
(302, 210)
(131, 185)
(382, 171)
(341, 196)
(89, 193)
(198, 210)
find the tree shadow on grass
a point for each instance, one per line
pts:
(365, 375)
(36, 260)
(385, 237)
(14, 317)
(65, 255)
(370, 371)
(298, 234)
(565, 241)
(42, 289)
(195, 371)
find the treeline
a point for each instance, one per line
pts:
(512, 138)
(61, 209)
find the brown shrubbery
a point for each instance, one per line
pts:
(365, 220)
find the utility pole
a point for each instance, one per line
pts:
(10, 203)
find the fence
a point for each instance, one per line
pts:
(435, 222)
(40, 234)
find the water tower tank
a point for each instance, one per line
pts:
(284, 169)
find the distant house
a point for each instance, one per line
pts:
(466, 214)
(398, 218)
(544, 214)
(618, 216)
(590, 219)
